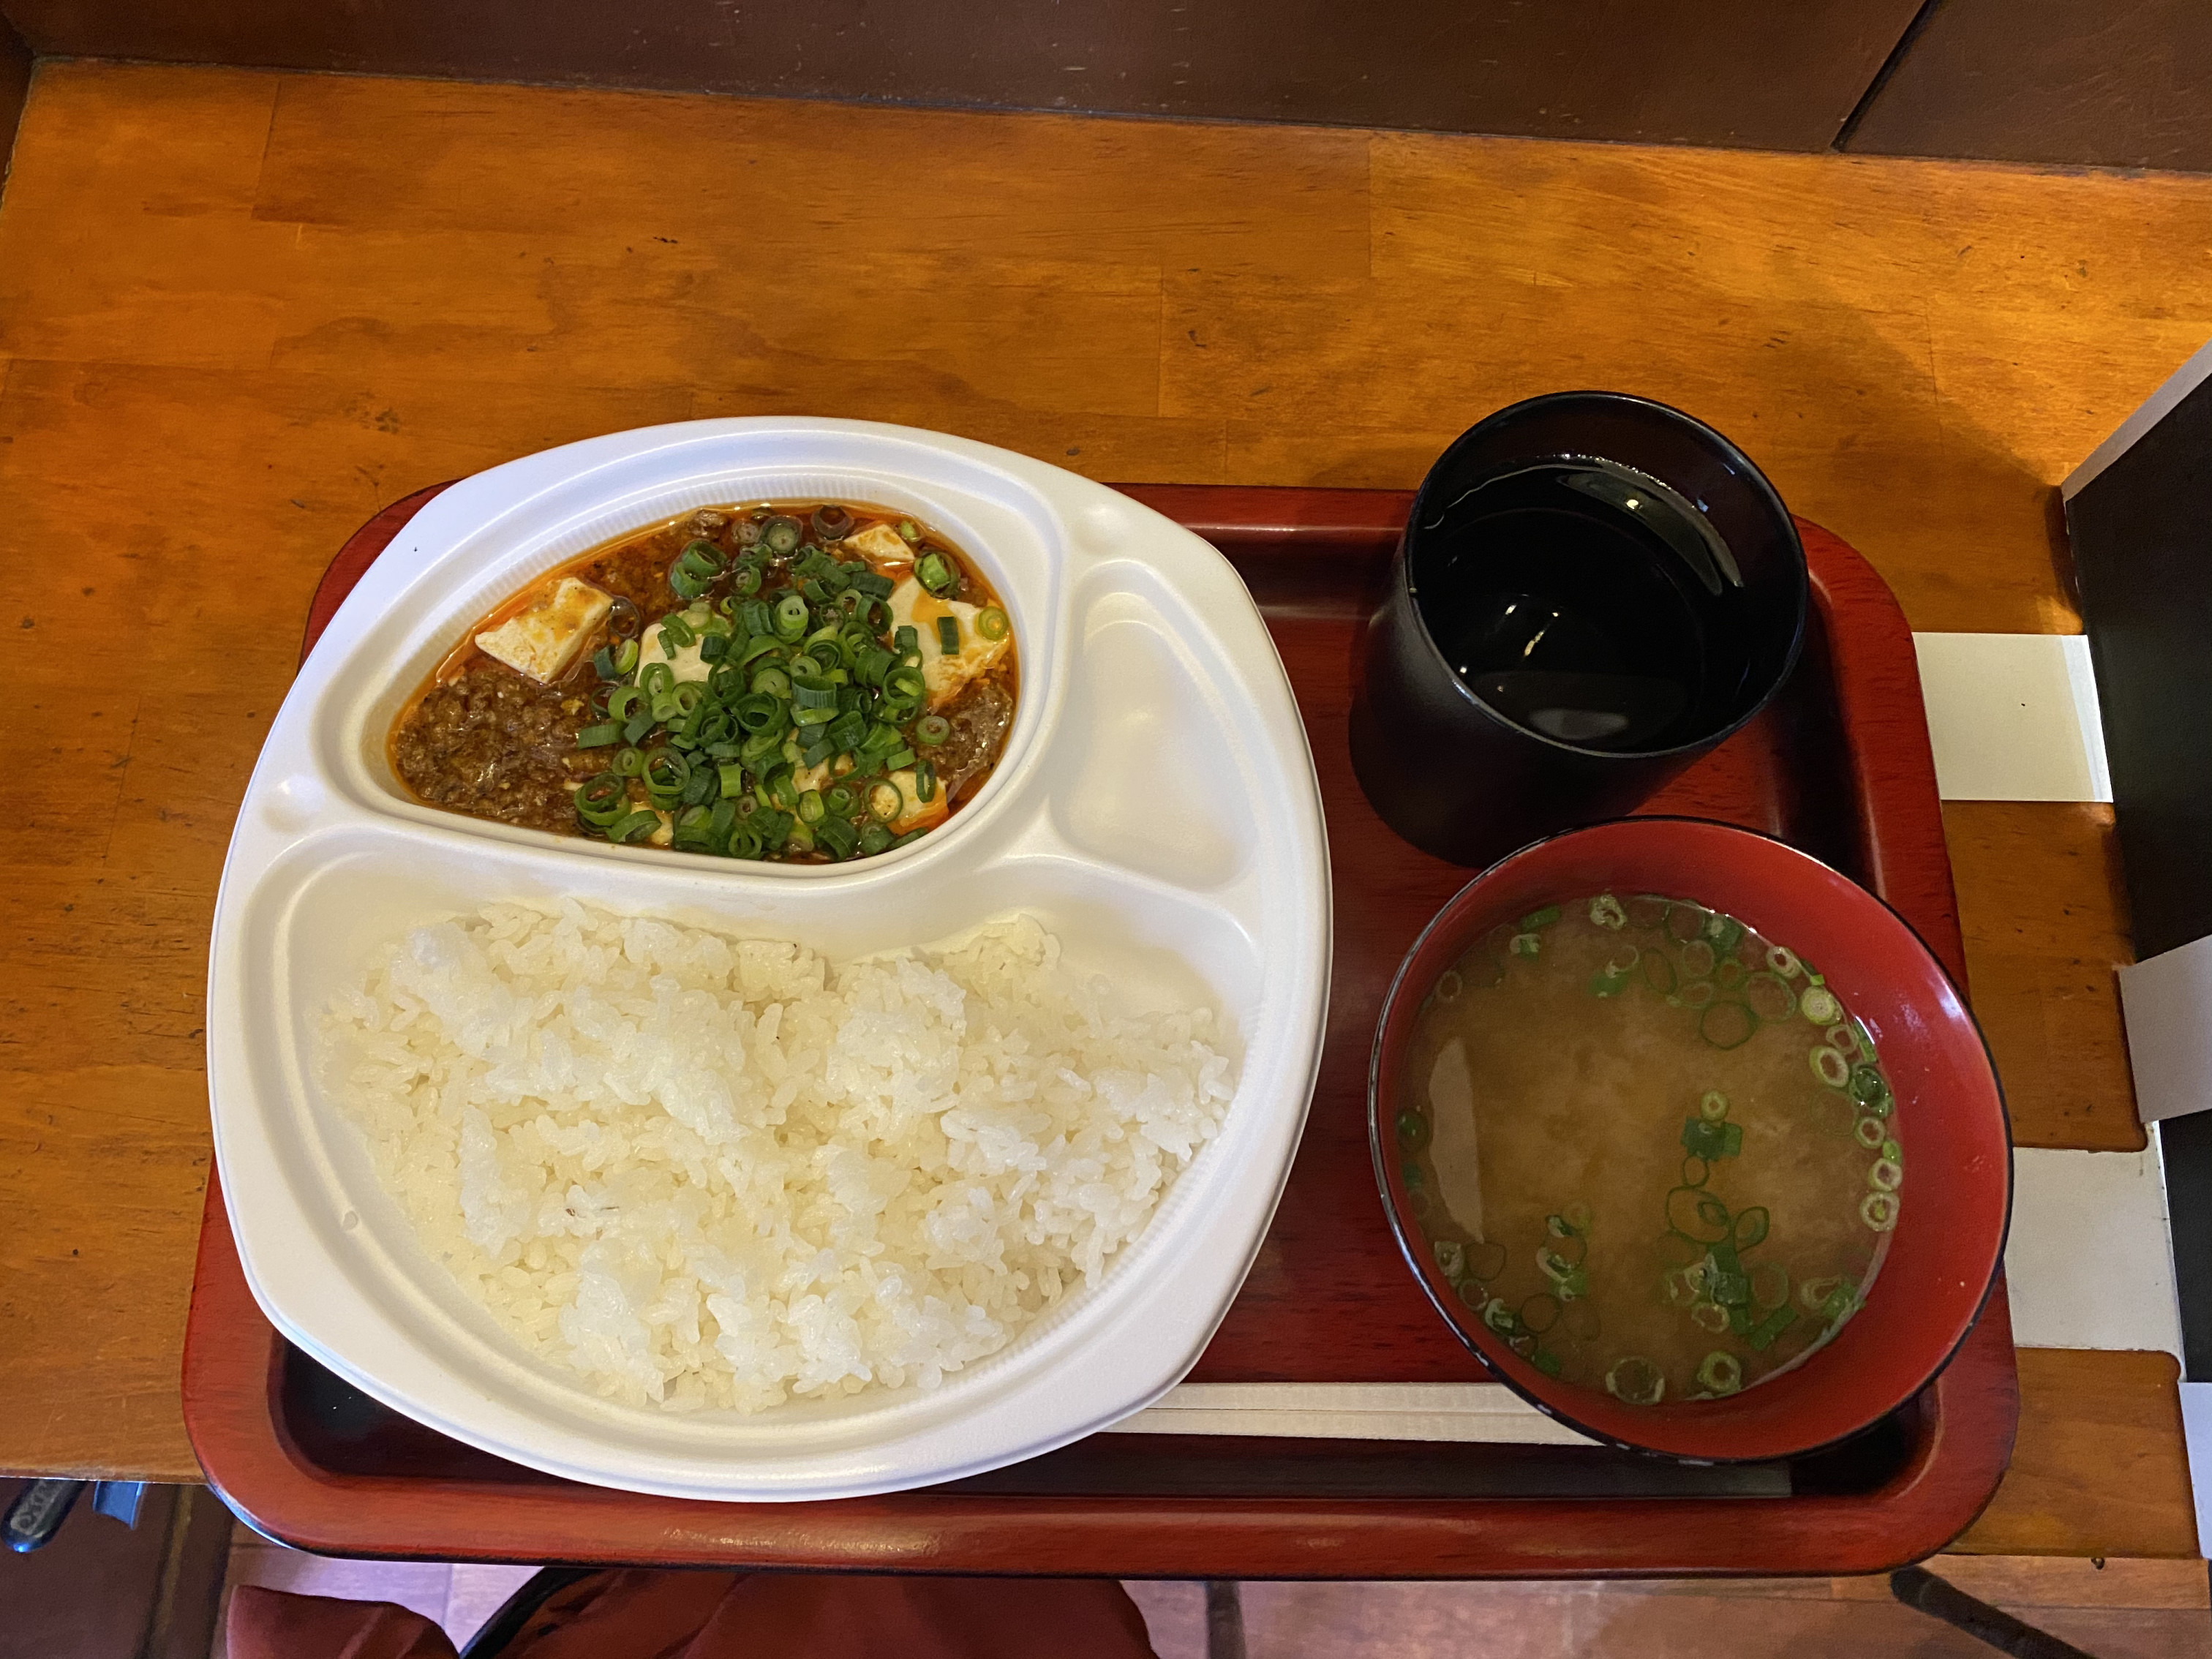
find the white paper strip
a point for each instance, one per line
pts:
(2167, 1004)
(2196, 1434)
(1353, 1410)
(2088, 1264)
(2013, 717)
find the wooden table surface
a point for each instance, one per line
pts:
(240, 311)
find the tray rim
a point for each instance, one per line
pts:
(1967, 1416)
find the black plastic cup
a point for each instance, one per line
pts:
(1592, 591)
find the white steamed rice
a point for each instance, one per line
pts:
(708, 1172)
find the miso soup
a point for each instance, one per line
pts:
(1648, 1148)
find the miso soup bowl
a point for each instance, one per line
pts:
(1949, 1112)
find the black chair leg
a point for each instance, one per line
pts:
(1919, 1588)
(503, 1626)
(1224, 1620)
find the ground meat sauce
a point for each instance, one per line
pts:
(980, 716)
(498, 745)
(485, 739)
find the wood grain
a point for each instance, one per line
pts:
(2040, 882)
(2097, 1467)
(240, 311)
(15, 87)
(2124, 83)
(1725, 71)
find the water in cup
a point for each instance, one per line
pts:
(1585, 601)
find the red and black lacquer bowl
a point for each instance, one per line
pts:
(1956, 1201)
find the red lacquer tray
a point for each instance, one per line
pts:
(1840, 765)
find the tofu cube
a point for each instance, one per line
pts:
(914, 812)
(820, 775)
(541, 640)
(911, 603)
(881, 546)
(686, 664)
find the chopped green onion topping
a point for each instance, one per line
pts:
(1831, 1067)
(1727, 1024)
(1722, 1373)
(1769, 996)
(667, 773)
(934, 572)
(695, 570)
(602, 799)
(1761, 1336)
(1869, 1089)
(1637, 1381)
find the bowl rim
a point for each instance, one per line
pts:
(1401, 579)
(1475, 1345)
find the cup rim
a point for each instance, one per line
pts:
(1401, 576)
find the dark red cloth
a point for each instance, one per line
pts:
(648, 1613)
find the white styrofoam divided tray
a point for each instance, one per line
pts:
(1156, 807)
